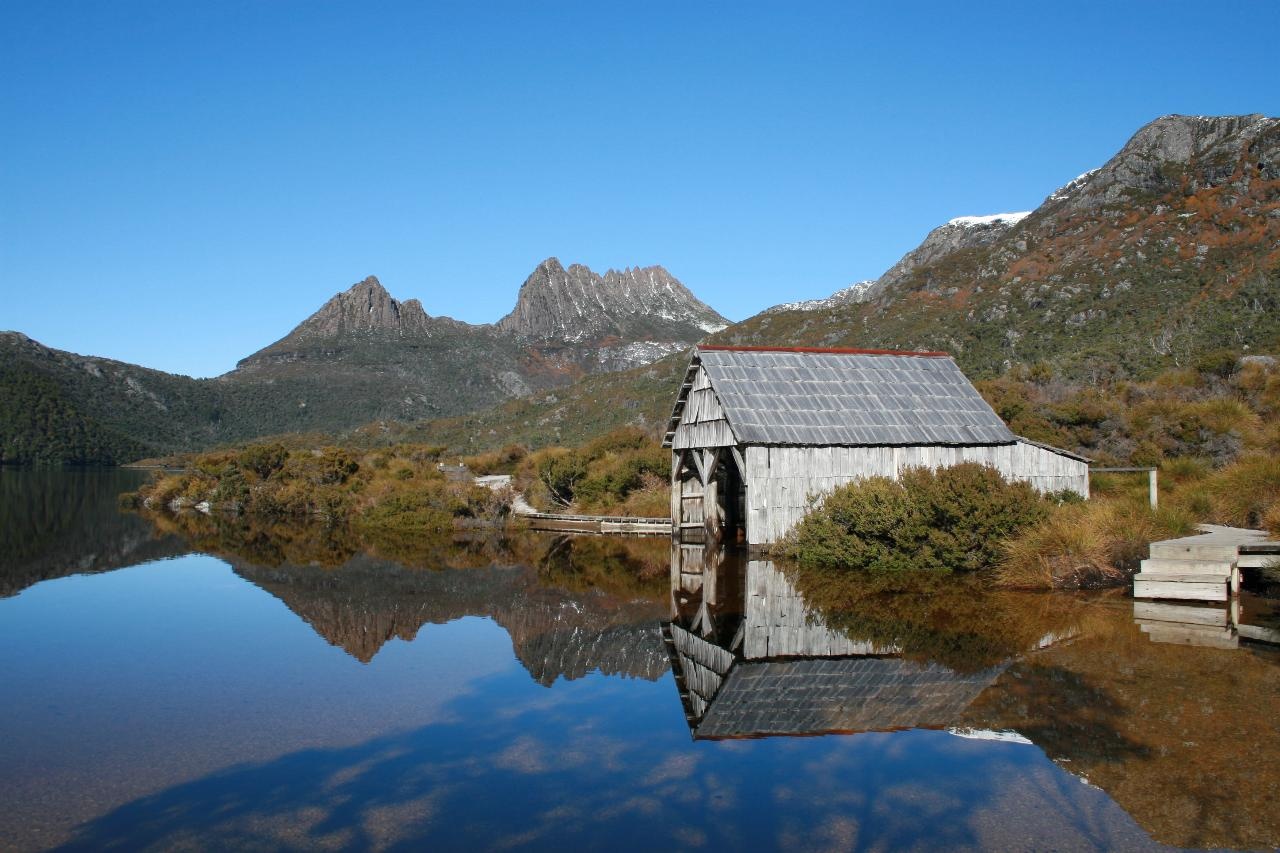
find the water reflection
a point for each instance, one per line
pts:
(297, 687)
(1184, 739)
(1214, 626)
(56, 522)
(752, 659)
(571, 605)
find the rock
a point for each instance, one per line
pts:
(637, 304)
(1263, 360)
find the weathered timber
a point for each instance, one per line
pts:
(1205, 567)
(1152, 611)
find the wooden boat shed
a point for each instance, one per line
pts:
(757, 431)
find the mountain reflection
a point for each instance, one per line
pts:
(1183, 736)
(571, 605)
(56, 522)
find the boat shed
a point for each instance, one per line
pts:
(757, 431)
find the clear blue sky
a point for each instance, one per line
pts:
(182, 182)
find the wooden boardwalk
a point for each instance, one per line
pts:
(623, 524)
(619, 524)
(1205, 567)
(1199, 625)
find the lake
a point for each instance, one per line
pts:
(199, 683)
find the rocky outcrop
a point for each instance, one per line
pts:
(963, 232)
(576, 305)
(850, 295)
(363, 312)
(1178, 153)
(1169, 249)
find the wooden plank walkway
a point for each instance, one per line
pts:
(1205, 625)
(620, 524)
(1205, 567)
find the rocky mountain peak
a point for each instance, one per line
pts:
(856, 292)
(365, 306)
(362, 310)
(962, 232)
(638, 303)
(1181, 153)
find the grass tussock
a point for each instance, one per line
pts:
(1087, 545)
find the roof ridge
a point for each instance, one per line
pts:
(823, 350)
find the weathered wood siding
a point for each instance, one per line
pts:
(703, 422)
(780, 480)
(778, 622)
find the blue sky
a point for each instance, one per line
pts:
(183, 182)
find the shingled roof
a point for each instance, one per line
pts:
(841, 397)
(726, 698)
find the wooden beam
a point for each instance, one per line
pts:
(740, 462)
(677, 464)
(710, 499)
(739, 636)
(699, 459)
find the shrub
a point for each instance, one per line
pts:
(557, 472)
(428, 511)
(948, 520)
(504, 461)
(263, 459)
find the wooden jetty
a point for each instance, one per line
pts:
(620, 524)
(1205, 567)
(1199, 625)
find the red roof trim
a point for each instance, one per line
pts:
(826, 350)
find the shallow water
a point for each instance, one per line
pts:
(211, 686)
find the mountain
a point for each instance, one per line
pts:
(57, 406)
(1169, 251)
(363, 356)
(576, 305)
(856, 292)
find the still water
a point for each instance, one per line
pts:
(201, 685)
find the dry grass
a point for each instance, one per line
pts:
(1245, 494)
(1082, 546)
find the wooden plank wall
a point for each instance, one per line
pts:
(778, 622)
(703, 422)
(780, 480)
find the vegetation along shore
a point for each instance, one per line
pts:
(1211, 428)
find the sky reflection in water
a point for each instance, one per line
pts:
(211, 702)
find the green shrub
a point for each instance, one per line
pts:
(948, 520)
(428, 511)
(264, 459)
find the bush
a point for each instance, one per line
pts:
(616, 473)
(263, 459)
(948, 520)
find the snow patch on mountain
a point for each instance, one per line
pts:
(990, 219)
(846, 296)
(1071, 186)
